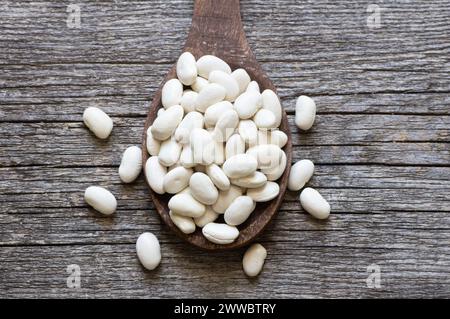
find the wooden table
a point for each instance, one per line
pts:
(380, 144)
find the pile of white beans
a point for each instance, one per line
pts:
(216, 146)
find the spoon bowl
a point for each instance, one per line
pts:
(217, 30)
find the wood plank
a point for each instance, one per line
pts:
(289, 272)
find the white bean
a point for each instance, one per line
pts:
(188, 123)
(219, 153)
(301, 172)
(186, 157)
(177, 179)
(279, 138)
(275, 173)
(227, 82)
(199, 84)
(98, 122)
(314, 203)
(154, 173)
(253, 86)
(255, 180)
(221, 234)
(305, 112)
(172, 92)
(264, 119)
(213, 112)
(187, 68)
(183, 223)
(152, 144)
(218, 177)
(253, 260)
(271, 102)
(188, 101)
(148, 250)
(269, 191)
(186, 205)
(208, 63)
(240, 165)
(208, 217)
(100, 199)
(165, 124)
(202, 146)
(209, 95)
(203, 189)
(226, 198)
(248, 131)
(247, 104)
(239, 210)
(235, 145)
(242, 78)
(225, 126)
(268, 156)
(131, 164)
(169, 152)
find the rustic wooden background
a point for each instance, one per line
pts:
(381, 145)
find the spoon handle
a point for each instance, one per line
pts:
(217, 29)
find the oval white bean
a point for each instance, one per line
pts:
(209, 95)
(188, 123)
(208, 63)
(247, 104)
(271, 102)
(255, 180)
(186, 205)
(213, 112)
(203, 189)
(226, 126)
(248, 131)
(253, 86)
(305, 112)
(172, 92)
(234, 146)
(100, 199)
(154, 173)
(183, 223)
(226, 197)
(239, 210)
(152, 144)
(203, 146)
(177, 179)
(221, 234)
(269, 191)
(186, 157)
(301, 172)
(165, 124)
(264, 119)
(240, 165)
(275, 173)
(148, 250)
(131, 164)
(278, 138)
(227, 82)
(187, 68)
(268, 156)
(218, 177)
(208, 217)
(253, 260)
(188, 101)
(199, 84)
(98, 122)
(169, 152)
(314, 203)
(242, 78)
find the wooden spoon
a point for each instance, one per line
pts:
(217, 29)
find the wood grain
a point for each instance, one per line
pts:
(380, 142)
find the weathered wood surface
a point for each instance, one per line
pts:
(381, 143)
